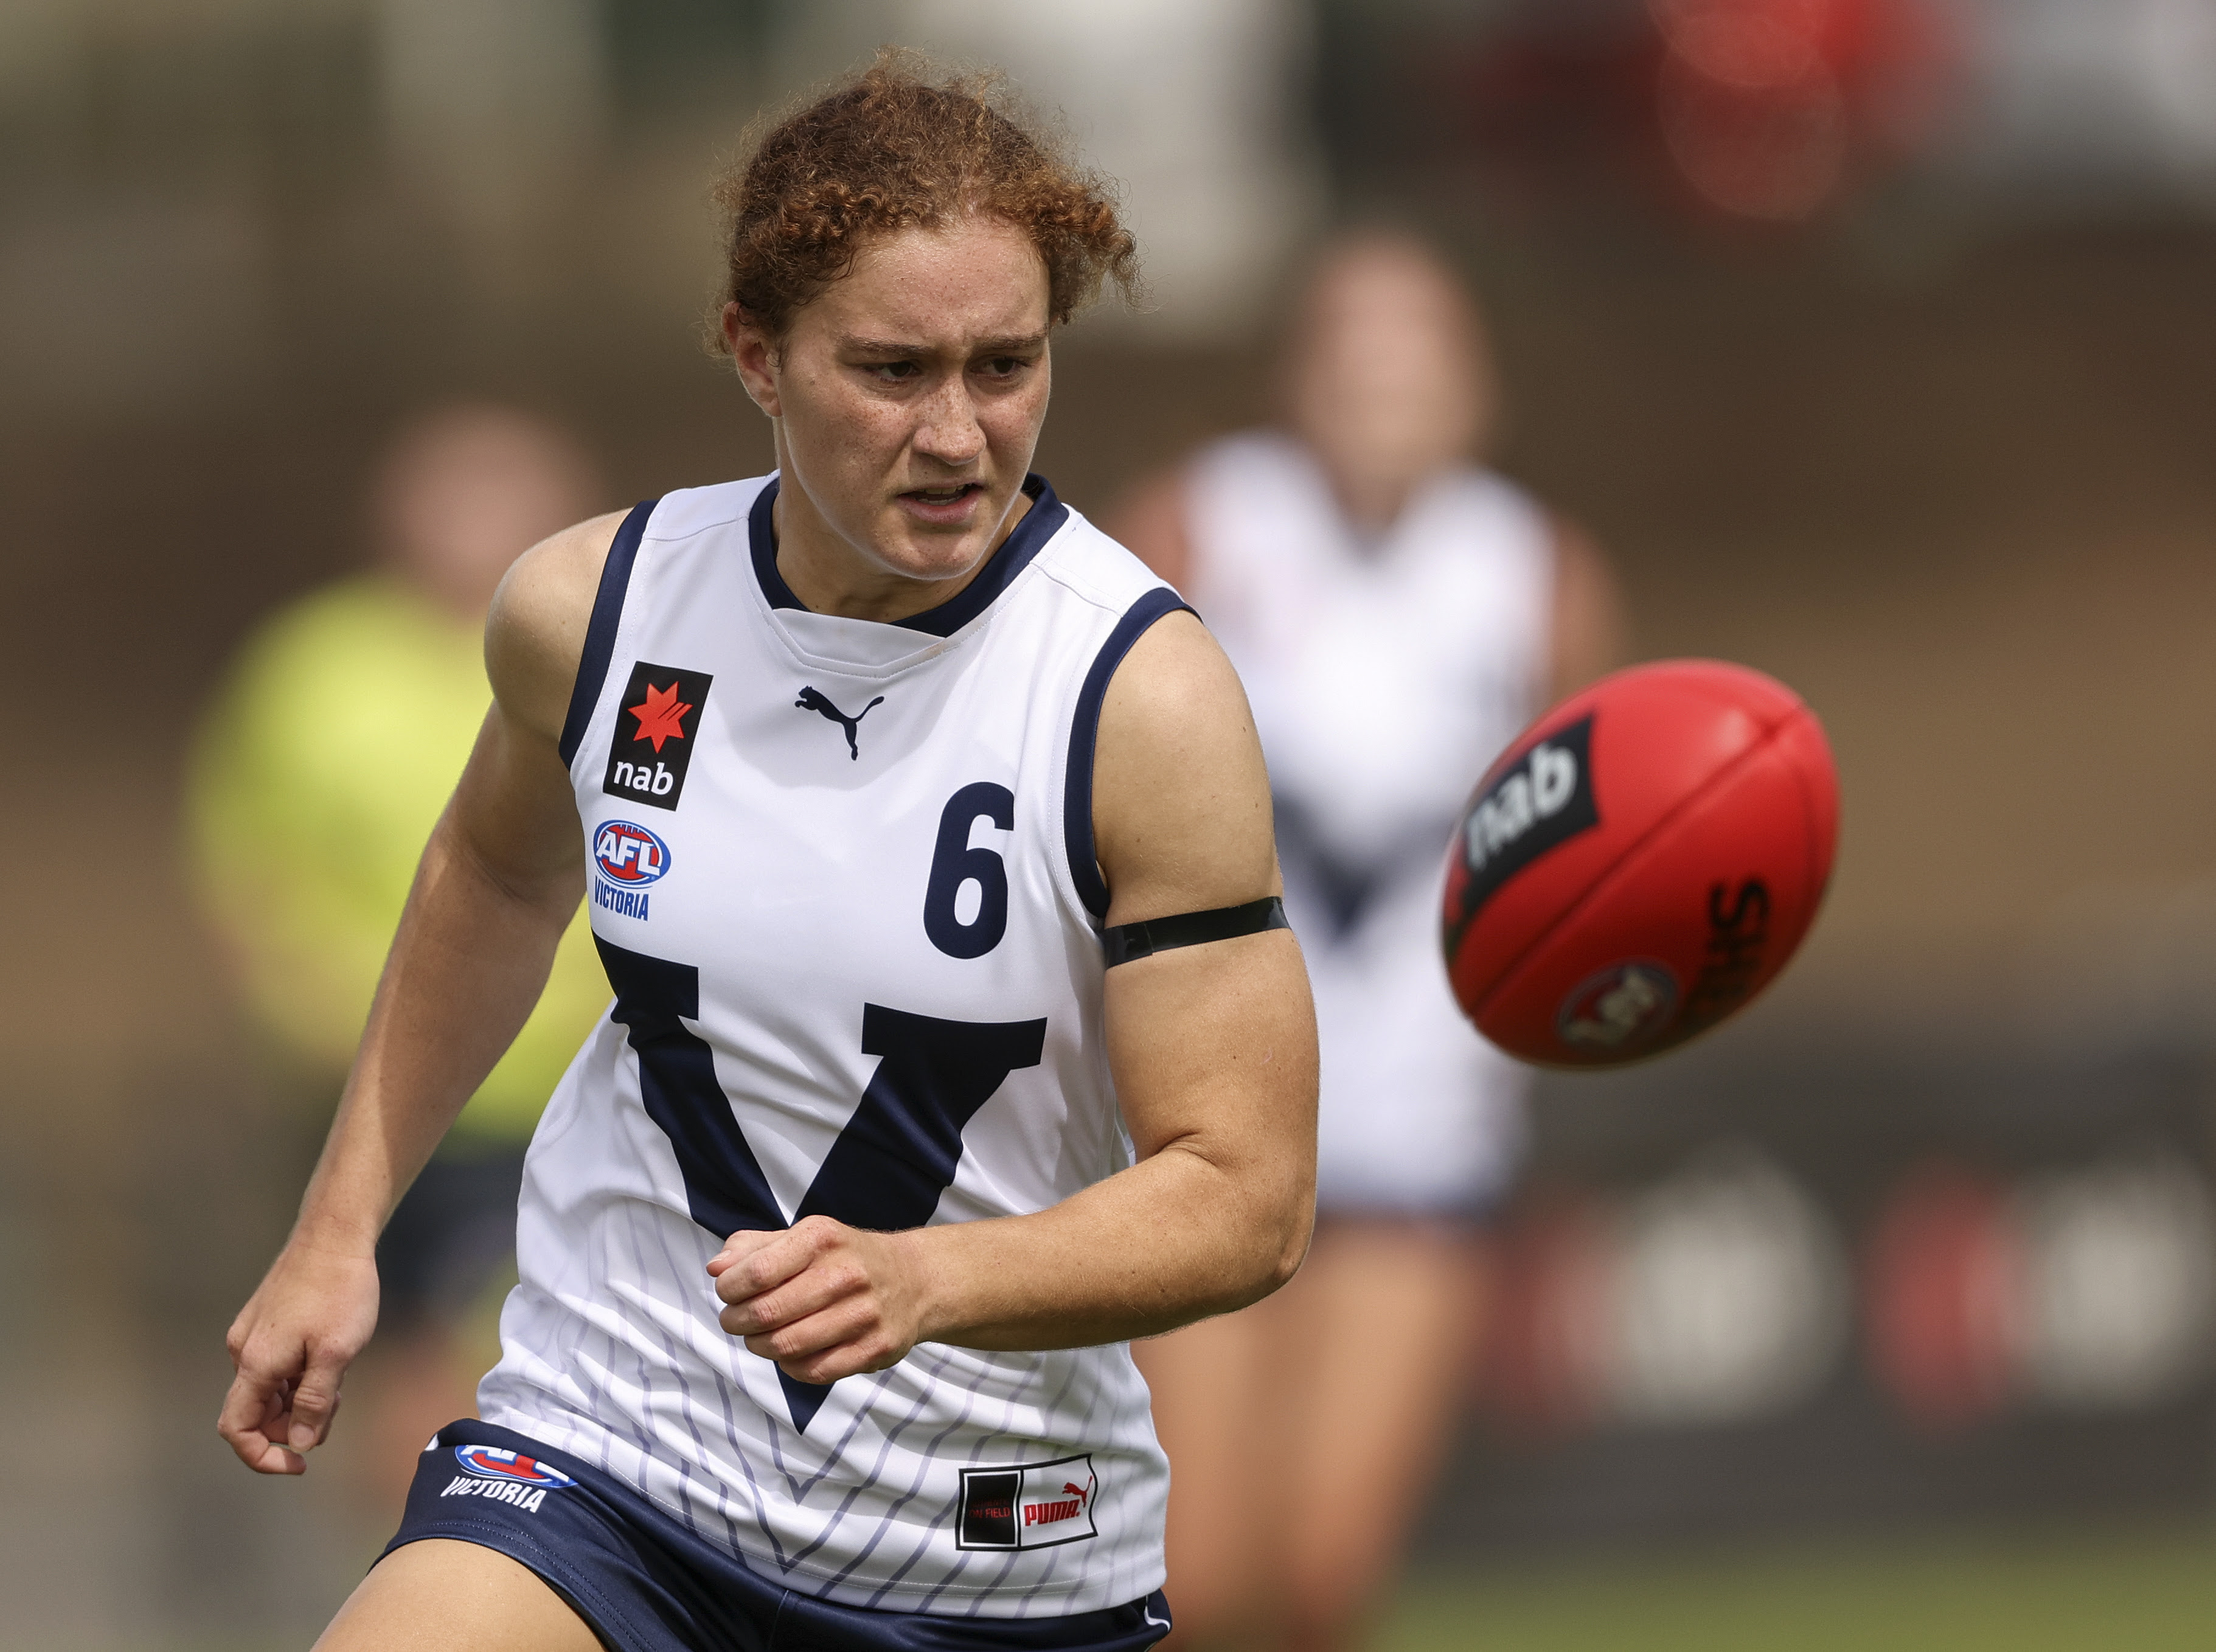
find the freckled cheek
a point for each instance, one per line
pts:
(1011, 426)
(863, 439)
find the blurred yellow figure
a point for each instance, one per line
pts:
(1358, 558)
(316, 778)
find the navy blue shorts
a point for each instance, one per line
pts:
(646, 1584)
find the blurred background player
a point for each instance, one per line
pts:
(1397, 612)
(317, 775)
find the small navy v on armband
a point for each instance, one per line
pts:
(1128, 940)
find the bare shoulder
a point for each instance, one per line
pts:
(535, 634)
(1181, 798)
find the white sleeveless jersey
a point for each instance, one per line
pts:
(843, 881)
(1384, 677)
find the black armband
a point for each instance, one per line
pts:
(1128, 940)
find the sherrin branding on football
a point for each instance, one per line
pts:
(1621, 1005)
(1640, 864)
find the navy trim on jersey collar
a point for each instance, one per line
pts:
(1085, 735)
(1040, 524)
(601, 630)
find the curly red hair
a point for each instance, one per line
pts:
(890, 150)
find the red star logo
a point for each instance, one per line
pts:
(660, 715)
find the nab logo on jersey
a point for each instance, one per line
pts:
(629, 854)
(655, 722)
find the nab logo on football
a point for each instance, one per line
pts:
(655, 722)
(1540, 800)
(629, 854)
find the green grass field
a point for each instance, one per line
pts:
(2122, 1592)
(2145, 1590)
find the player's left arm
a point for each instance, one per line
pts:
(1213, 1050)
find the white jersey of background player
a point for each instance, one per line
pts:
(1397, 614)
(875, 775)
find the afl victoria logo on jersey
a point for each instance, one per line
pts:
(656, 720)
(627, 858)
(628, 853)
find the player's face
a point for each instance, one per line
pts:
(908, 399)
(1389, 379)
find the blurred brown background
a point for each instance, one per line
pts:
(1931, 439)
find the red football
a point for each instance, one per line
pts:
(1640, 863)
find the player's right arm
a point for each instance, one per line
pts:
(499, 879)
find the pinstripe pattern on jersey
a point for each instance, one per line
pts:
(755, 1070)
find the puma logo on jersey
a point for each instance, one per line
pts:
(812, 700)
(657, 720)
(1066, 1507)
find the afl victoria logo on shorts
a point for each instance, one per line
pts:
(504, 1477)
(656, 720)
(1541, 800)
(1032, 1506)
(511, 1466)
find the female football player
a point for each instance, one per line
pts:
(1396, 614)
(957, 1036)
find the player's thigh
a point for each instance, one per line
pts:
(439, 1595)
(1384, 1330)
(1218, 1406)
